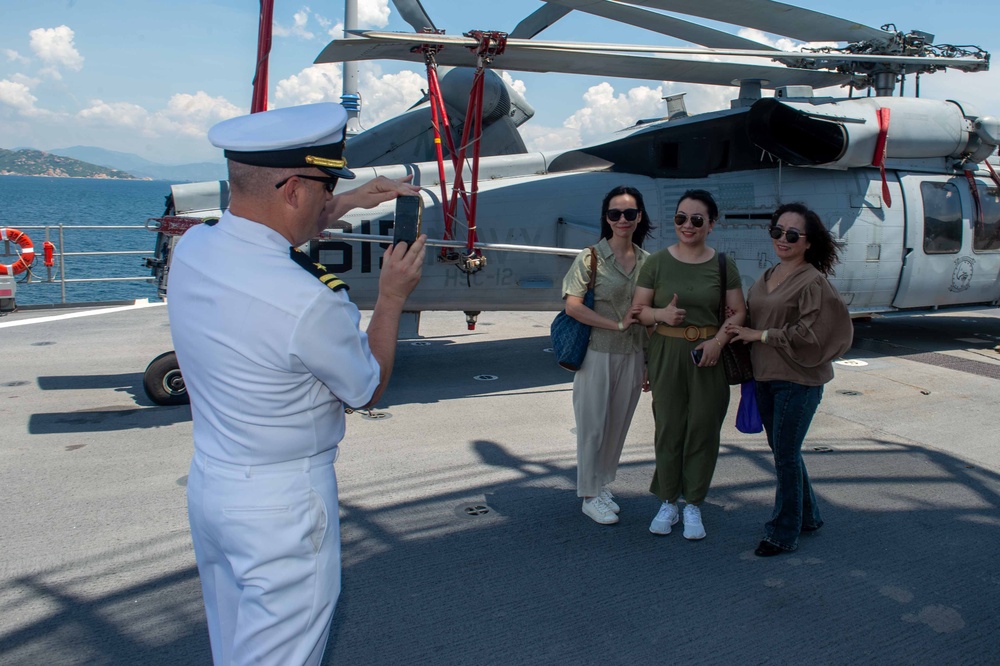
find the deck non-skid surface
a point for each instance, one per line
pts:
(463, 540)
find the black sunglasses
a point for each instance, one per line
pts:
(791, 235)
(630, 214)
(328, 183)
(696, 220)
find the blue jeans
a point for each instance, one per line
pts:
(786, 410)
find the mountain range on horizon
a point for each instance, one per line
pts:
(143, 168)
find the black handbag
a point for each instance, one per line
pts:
(735, 355)
(569, 336)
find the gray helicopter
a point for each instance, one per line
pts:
(905, 183)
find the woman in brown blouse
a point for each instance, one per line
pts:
(800, 324)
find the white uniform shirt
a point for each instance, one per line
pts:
(270, 355)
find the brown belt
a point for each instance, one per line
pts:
(689, 333)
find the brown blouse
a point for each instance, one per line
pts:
(807, 327)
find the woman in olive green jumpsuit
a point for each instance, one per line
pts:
(680, 287)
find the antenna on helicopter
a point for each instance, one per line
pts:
(750, 92)
(676, 107)
(350, 98)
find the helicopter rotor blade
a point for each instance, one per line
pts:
(539, 20)
(820, 60)
(663, 24)
(413, 13)
(773, 17)
(531, 56)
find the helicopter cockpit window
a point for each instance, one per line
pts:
(986, 237)
(942, 218)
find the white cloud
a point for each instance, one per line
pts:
(386, 96)
(699, 98)
(783, 43)
(383, 96)
(185, 114)
(51, 73)
(298, 28)
(516, 84)
(29, 81)
(336, 31)
(192, 115)
(54, 46)
(537, 137)
(333, 29)
(13, 56)
(18, 96)
(316, 83)
(605, 112)
(114, 114)
(373, 13)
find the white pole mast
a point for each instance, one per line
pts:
(350, 97)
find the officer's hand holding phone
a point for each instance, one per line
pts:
(409, 214)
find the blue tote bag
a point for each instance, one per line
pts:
(748, 415)
(569, 336)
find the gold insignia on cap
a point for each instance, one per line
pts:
(325, 162)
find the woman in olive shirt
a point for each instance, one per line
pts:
(679, 290)
(607, 386)
(800, 324)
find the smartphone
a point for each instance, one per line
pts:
(409, 213)
(696, 355)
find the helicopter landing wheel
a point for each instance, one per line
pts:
(163, 382)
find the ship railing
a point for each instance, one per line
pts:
(58, 276)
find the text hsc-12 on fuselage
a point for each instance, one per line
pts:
(904, 182)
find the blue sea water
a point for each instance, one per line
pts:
(27, 201)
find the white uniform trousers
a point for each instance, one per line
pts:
(267, 542)
(605, 393)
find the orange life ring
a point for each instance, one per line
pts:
(27, 255)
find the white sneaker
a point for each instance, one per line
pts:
(693, 529)
(609, 499)
(599, 511)
(665, 517)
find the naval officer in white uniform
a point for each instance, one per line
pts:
(271, 352)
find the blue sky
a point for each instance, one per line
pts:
(151, 76)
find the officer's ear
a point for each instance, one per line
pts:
(291, 191)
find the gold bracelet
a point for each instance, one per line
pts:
(621, 326)
(718, 343)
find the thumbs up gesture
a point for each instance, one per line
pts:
(673, 315)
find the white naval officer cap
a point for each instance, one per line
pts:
(311, 135)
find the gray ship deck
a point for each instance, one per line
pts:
(463, 539)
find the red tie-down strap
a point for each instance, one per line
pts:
(993, 173)
(971, 177)
(880, 147)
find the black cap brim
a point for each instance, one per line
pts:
(342, 172)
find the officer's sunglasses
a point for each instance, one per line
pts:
(696, 220)
(791, 235)
(630, 214)
(328, 183)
